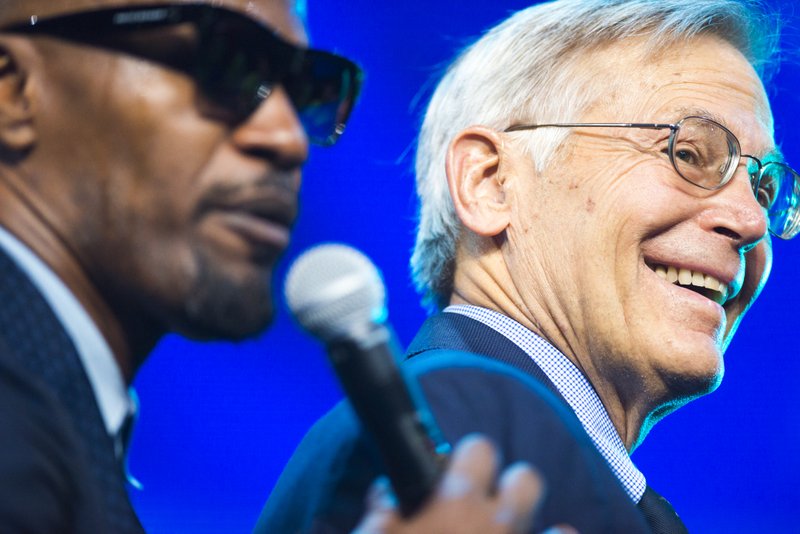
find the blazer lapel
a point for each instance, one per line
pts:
(42, 347)
(454, 331)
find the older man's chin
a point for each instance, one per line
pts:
(689, 386)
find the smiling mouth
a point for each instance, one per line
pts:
(701, 283)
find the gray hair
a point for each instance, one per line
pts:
(527, 69)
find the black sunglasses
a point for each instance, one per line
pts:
(236, 63)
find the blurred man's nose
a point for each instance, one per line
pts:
(274, 131)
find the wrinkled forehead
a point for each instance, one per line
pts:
(704, 75)
(285, 16)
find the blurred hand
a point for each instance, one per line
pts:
(464, 502)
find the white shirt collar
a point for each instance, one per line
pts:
(104, 374)
(575, 389)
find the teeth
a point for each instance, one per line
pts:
(672, 275)
(687, 277)
(711, 283)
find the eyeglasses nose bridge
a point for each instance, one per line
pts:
(755, 177)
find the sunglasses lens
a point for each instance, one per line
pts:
(240, 62)
(323, 91)
(232, 68)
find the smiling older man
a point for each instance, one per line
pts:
(598, 183)
(150, 164)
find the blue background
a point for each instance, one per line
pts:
(218, 421)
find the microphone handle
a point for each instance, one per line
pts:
(402, 429)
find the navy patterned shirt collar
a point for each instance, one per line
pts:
(574, 387)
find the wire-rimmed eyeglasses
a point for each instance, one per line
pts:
(706, 154)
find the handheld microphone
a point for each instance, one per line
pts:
(337, 295)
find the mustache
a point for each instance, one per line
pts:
(273, 197)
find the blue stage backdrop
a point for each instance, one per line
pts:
(219, 421)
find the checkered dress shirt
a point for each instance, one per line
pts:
(574, 387)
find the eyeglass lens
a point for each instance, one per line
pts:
(707, 155)
(778, 190)
(703, 152)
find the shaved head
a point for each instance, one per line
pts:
(18, 10)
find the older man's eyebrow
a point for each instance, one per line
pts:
(698, 112)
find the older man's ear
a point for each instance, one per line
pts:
(476, 175)
(17, 131)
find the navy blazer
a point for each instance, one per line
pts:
(474, 380)
(58, 471)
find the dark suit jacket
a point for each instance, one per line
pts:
(58, 471)
(501, 394)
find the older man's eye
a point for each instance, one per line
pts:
(687, 155)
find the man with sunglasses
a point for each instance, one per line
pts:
(150, 159)
(599, 186)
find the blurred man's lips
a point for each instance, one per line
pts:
(258, 229)
(264, 221)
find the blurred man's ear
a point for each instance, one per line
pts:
(17, 132)
(477, 185)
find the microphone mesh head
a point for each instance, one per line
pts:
(334, 290)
